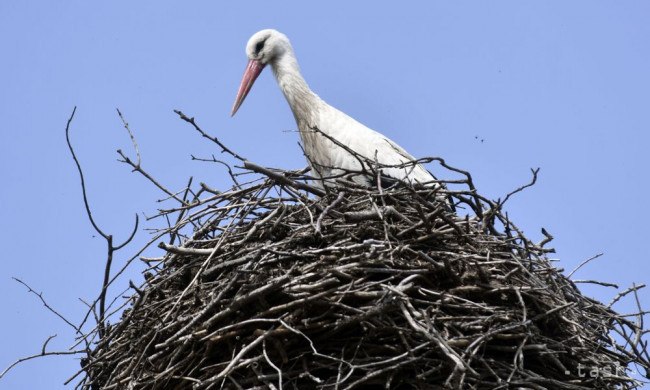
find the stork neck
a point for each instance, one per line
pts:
(301, 99)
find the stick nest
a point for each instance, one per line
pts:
(266, 286)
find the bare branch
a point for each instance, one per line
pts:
(583, 263)
(532, 183)
(55, 353)
(283, 179)
(205, 135)
(81, 175)
(40, 296)
(329, 207)
(135, 144)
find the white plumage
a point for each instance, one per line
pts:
(327, 158)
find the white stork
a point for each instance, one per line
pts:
(330, 137)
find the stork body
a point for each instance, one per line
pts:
(334, 143)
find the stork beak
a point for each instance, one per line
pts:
(253, 69)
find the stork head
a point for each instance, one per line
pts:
(262, 48)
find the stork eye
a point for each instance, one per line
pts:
(259, 46)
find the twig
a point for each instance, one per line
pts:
(81, 175)
(205, 135)
(40, 296)
(583, 263)
(605, 284)
(624, 293)
(530, 184)
(135, 144)
(283, 179)
(108, 237)
(329, 207)
(55, 353)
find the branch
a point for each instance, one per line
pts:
(532, 182)
(548, 238)
(205, 135)
(126, 126)
(12, 365)
(624, 293)
(283, 179)
(107, 237)
(583, 263)
(81, 175)
(138, 168)
(40, 296)
(329, 207)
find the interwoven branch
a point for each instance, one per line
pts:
(271, 286)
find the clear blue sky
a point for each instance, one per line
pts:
(560, 85)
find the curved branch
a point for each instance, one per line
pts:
(135, 229)
(81, 175)
(108, 237)
(531, 183)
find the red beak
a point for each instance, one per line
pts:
(253, 69)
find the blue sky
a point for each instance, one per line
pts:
(559, 85)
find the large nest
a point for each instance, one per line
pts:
(268, 286)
